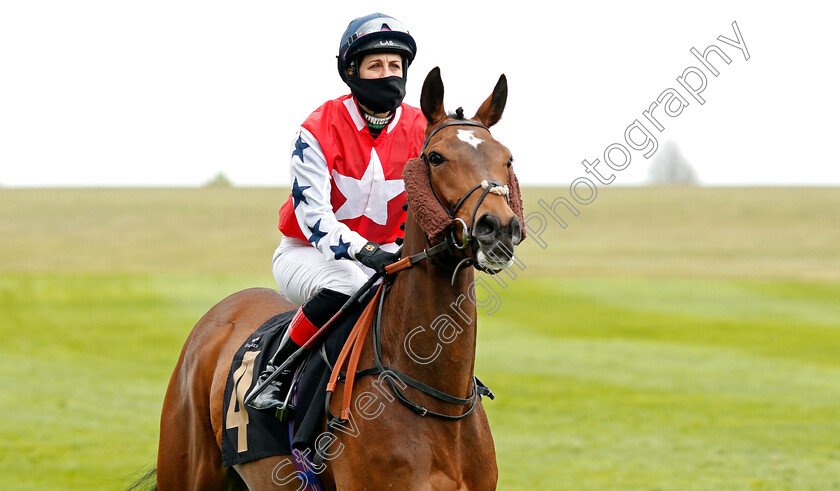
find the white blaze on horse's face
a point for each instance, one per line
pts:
(467, 136)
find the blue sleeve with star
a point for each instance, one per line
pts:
(311, 190)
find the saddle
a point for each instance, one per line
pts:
(251, 434)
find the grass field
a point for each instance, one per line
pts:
(667, 339)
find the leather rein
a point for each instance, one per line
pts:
(351, 352)
(372, 315)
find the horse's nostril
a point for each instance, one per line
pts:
(515, 230)
(487, 227)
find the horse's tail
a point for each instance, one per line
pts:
(146, 482)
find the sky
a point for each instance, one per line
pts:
(171, 93)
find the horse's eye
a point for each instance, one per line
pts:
(510, 162)
(436, 158)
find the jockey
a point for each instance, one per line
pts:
(345, 211)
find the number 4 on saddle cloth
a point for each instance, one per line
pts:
(252, 434)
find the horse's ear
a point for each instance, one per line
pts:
(491, 111)
(431, 97)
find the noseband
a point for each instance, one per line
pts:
(494, 187)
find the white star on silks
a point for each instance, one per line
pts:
(371, 188)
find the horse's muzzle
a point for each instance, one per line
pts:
(496, 241)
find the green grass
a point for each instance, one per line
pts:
(85, 363)
(677, 232)
(774, 233)
(667, 339)
(665, 384)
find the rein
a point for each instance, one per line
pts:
(352, 350)
(372, 315)
(479, 389)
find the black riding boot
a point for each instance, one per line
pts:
(307, 320)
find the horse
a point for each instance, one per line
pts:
(468, 223)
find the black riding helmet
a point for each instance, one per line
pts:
(374, 33)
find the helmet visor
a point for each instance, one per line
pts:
(378, 24)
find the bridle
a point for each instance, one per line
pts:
(489, 187)
(372, 315)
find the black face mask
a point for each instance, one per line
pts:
(379, 95)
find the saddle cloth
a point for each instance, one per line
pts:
(251, 434)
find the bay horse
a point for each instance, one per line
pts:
(469, 221)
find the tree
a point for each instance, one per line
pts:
(670, 167)
(219, 181)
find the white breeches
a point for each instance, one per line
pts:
(301, 271)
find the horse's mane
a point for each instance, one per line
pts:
(458, 114)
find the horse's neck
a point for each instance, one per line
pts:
(441, 317)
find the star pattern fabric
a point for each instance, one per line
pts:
(371, 188)
(340, 197)
(342, 250)
(297, 193)
(300, 146)
(317, 234)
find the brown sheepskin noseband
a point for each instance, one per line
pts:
(427, 210)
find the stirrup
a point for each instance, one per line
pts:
(285, 411)
(277, 396)
(277, 392)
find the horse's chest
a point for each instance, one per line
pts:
(412, 452)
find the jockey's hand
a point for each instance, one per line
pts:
(375, 258)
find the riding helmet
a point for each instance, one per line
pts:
(374, 33)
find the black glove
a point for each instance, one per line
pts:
(375, 258)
